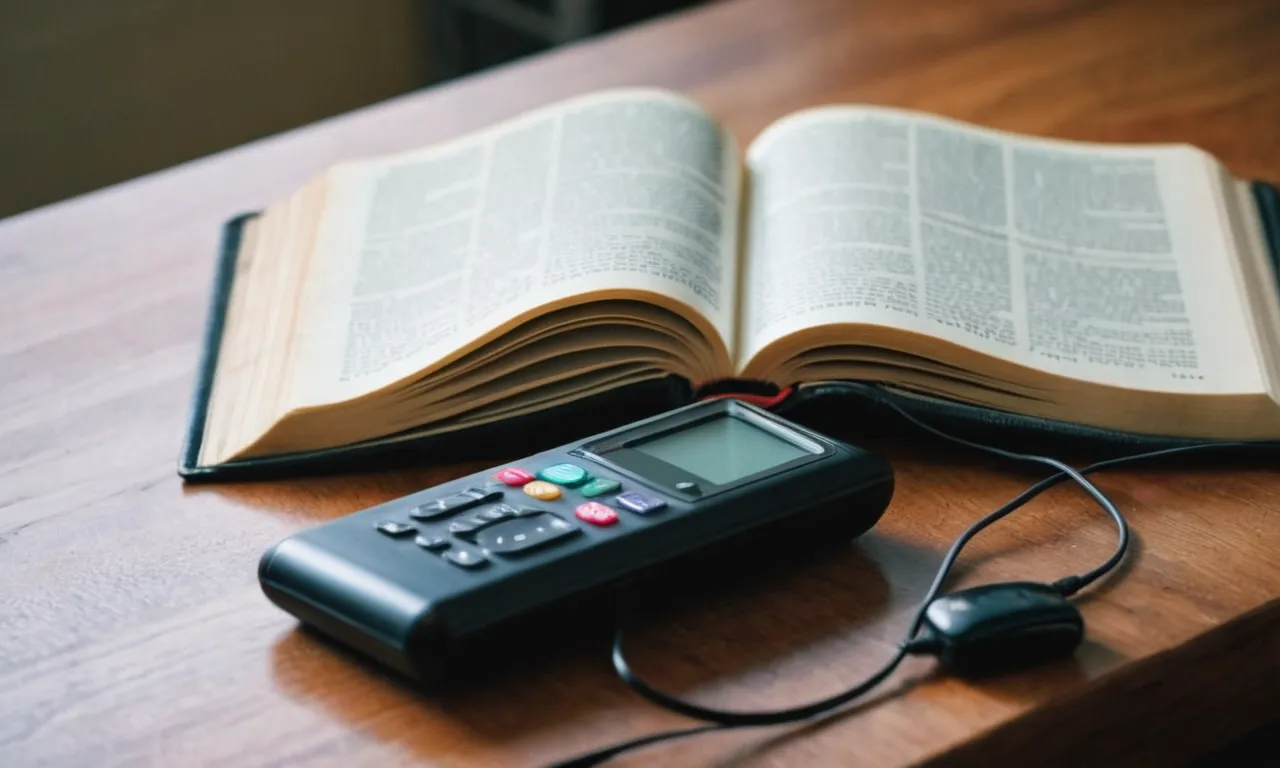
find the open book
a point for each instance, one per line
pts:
(561, 259)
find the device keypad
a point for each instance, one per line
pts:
(466, 528)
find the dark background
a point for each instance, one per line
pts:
(94, 92)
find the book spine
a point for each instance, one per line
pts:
(1268, 199)
(215, 320)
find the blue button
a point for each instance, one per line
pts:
(568, 475)
(640, 503)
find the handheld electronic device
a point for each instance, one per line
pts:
(414, 582)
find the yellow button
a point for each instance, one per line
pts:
(542, 490)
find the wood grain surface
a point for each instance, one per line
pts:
(132, 631)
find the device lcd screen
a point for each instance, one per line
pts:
(722, 450)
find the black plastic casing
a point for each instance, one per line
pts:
(407, 609)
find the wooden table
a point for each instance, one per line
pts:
(132, 631)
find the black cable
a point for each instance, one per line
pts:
(1067, 586)
(737, 719)
(1072, 584)
(599, 756)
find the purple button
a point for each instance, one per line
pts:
(639, 503)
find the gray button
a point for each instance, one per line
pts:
(462, 527)
(432, 542)
(524, 534)
(465, 558)
(500, 512)
(396, 529)
(471, 497)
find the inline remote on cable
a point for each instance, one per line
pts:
(414, 583)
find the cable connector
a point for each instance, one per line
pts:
(1068, 586)
(999, 627)
(928, 644)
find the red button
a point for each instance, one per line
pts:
(596, 513)
(514, 476)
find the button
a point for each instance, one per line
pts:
(542, 491)
(467, 499)
(465, 558)
(596, 513)
(599, 487)
(432, 542)
(529, 512)
(568, 475)
(688, 487)
(463, 527)
(395, 529)
(640, 503)
(525, 534)
(514, 476)
(500, 512)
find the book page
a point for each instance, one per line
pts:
(1101, 263)
(423, 254)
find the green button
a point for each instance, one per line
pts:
(568, 475)
(599, 487)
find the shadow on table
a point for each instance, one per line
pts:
(689, 629)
